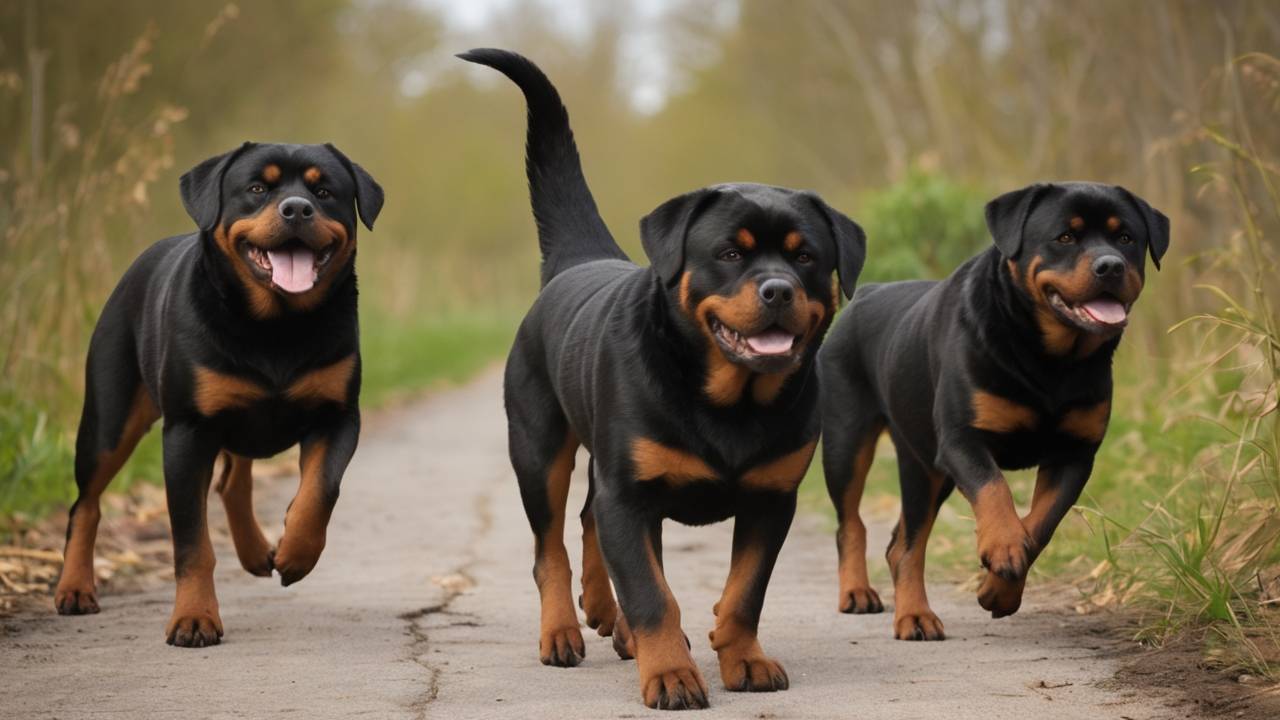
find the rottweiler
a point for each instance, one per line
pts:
(243, 337)
(691, 382)
(1005, 364)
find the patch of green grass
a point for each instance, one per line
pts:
(399, 357)
(403, 357)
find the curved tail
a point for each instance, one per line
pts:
(570, 229)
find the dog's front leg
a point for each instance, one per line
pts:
(188, 469)
(1057, 489)
(326, 450)
(1004, 547)
(758, 533)
(630, 537)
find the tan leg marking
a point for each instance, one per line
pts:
(597, 594)
(560, 640)
(76, 593)
(306, 522)
(195, 621)
(236, 489)
(743, 663)
(668, 676)
(856, 593)
(913, 619)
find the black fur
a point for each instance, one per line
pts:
(613, 356)
(195, 334)
(923, 359)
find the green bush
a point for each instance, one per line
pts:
(921, 227)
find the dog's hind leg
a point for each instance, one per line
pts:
(118, 411)
(923, 492)
(597, 594)
(851, 426)
(542, 453)
(236, 488)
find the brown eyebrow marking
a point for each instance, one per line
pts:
(1077, 223)
(793, 241)
(271, 173)
(746, 240)
(312, 175)
(1113, 223)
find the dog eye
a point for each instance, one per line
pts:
(1125, 239)
(804, 258)
(257, 188)
(322, 193)
(730, 255)
(1066, 238)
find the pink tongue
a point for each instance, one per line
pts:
(771, 342)
(293, 270)
(1105, 310)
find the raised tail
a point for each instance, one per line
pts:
(570, 229)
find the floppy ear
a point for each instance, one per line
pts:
(1157, 227)
(1007, 216)
(851, 244)
(201, 188)
(368, 192)
(663, 231)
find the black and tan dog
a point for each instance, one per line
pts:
(243, 337)
(1006, 364)
(691, 382)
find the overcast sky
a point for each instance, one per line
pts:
(643, 60)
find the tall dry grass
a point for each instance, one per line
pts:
(73, 193)
(1203, 560)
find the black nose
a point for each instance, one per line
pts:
(1108, 266)
(776, 292)
(296, 209)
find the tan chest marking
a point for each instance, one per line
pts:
(328, 384)
(216, 392)
(652, 461)
(783, 474)
(1087, 423)
(1001, 415)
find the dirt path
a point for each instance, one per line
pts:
(423, 606)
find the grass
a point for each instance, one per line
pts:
(400, 358)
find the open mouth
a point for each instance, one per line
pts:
(765, 351)
(1099, 314)
(292, 266)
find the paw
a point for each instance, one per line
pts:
(258, 558)
(601, 614)
(753, 674)
(294, 558)
(918, 626)
(76, 599)
(194, 629)
(1000, 596)
(562, 647)
(680, 688)
(860, 600)
(624, 643)
(1006, 552)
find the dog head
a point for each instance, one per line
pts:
(747, 269)
(282, 218)
(1078, 251)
